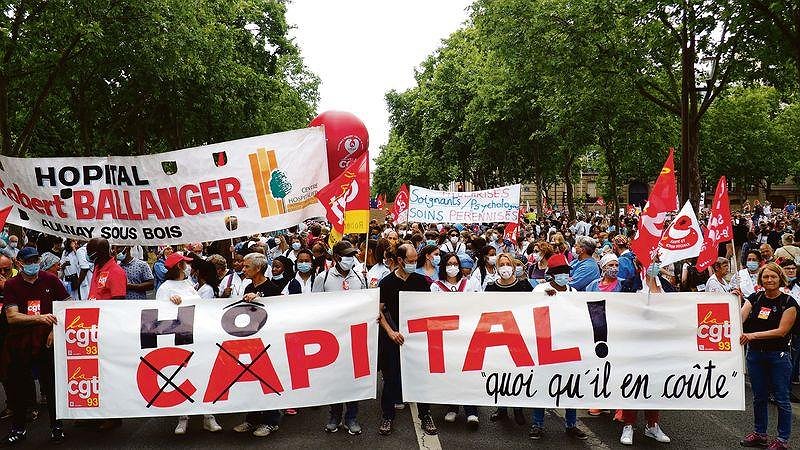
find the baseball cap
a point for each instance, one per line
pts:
(27, 253)
(344, 248)
(174, 259)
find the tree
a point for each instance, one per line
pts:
(748, 137)
(778, 26)
(102, 77)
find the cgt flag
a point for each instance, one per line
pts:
(683, 239)
(346, 199)
(651, 224)
(720, 228)
(400, 208)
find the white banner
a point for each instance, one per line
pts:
(489, 206)
(582, 350)
(206, 193)
(148, 358)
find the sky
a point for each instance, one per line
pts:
(362, 49)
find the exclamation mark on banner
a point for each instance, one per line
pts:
(597, 312)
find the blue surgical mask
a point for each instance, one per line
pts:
(410, 267)
(561, 279)
(296, 246)
(31, 269)
(120, 257)
(752, 266)
(436, 260)
(304, 267)
(518, 271)
(431, 242)
(91, 257)
(653, 270)
(278, 276)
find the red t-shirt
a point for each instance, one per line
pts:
(108, 282)
(32, 299)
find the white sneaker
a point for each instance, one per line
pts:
(210, 424)
(399, 406)
(450, 417)
(243, 427)
(627, 435)
(472, 420)
(264, 430)
(183, 423)
(656, 433)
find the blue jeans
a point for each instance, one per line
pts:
(570, 418)
(352, 411)
(771, 371)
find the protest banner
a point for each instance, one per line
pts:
(573, 350)
(489, 206)
(206, 193)
(151, 358)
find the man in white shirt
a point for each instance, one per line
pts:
(85, 271)
(342, 277)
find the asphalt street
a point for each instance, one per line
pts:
(688, 430)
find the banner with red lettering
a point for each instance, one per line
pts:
(151, 358)
(207, 193)
(573, 350)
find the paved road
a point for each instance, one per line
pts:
(688, 430)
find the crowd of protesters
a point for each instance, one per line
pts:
(550, 254)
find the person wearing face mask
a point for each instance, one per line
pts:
(584, 269)
(506, 281)
(451, 279)
(381, 267)
(493, 238)
(559, 270)
(745, 281)
(453, 243)
(12, 248)
(109, 280)
(467, 264)
(283, 275)
(320, 261)
(28, 305)
(428, 263)
(295, 245)
(403, 278)
(140, 277)
(304, 271)
(486, 270)
(342, 277)
(609, 282)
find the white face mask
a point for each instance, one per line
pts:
(454, 239)
(452, 271)
(492, 260)
(347, 262)
(505, 272)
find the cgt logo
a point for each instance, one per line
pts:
(81, 331)
(713, 327)
(83, 384)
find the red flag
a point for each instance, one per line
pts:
(720, 226)
(651, 224)
(600, 201)
(400, 208)
(4, 215)
(381, 201)
(510, 232)
(346, 198)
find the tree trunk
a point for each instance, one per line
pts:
(568, 186)
(537, 180)
(690, 170)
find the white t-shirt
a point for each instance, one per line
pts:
(376, 274)
(305, 286)
(206, 291)
(490, 278)
(83, 263)
(182, 288)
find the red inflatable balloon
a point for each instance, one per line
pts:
(346, 137)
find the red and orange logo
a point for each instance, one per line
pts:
(713, 327)
(81, 331)
(83, 383)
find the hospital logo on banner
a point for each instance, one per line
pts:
(272, 184)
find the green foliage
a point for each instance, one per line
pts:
(143, 76)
